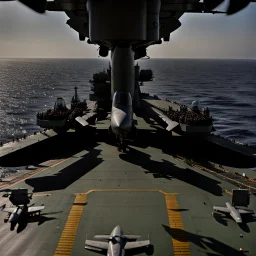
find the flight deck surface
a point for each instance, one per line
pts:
(148, 191)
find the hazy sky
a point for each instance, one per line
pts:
(24, 33)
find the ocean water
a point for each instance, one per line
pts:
(226, 87)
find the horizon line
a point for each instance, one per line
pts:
(106, 58)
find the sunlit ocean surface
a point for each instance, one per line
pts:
(227, 87)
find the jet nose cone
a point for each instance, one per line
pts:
(13, 217)
(125, 125)
(121, 122)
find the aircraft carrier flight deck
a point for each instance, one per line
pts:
(164, 188)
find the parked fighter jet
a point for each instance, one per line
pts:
(121, 116)
(234, 212)
(20, 198)
(15, 213)
(117, 242)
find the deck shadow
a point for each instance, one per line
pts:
(168, 170)
(202, 242)
(68, 175)
(196, 148)
(223, 219)
(40, 219)
(205, 152)
(59, 146)
(147, 250)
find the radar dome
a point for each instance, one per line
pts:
(196, 105)
(60, 104)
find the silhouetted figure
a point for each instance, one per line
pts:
(207, 112)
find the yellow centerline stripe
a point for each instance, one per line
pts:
(179, 237)
(68, 236)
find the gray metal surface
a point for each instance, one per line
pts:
(126, 191)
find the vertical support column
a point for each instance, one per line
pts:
(136, 99)
(122, 71)
(153, 10)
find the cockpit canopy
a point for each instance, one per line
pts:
(122, 98)
(60, 104)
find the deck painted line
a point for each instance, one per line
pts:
(125, 189)
(179, 236)
(30, 174)
(228, 192)
(46, 194)
(68, 236)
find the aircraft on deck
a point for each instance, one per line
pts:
(127, 31)
(122, 117)
(20, 198)
(117, 242)
(234, 212)
(15, 213)
(240, 197)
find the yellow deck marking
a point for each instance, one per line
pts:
(27, 175)
(228, 192)
(68, 236)
(46, 194)
(179, 237)
(125, 189)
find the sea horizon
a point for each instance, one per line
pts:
(226, 87)
(102, 58)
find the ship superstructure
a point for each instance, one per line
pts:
(165, 185)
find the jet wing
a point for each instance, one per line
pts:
(35, 208)
(96, 245)
(221, 209)
(166, 119)
(7, 209)
(244, 211)
(83, 120)
(131, 237)
(138, 244)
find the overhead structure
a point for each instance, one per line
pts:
(126, 28)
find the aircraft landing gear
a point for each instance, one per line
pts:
(13, 224)
(6, 218)
(121, 145)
